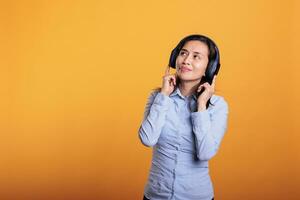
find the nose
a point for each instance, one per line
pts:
(187, 60)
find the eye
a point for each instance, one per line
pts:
(182, 53)
(197, 57)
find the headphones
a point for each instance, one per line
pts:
(213, 65)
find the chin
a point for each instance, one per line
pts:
(188, 78)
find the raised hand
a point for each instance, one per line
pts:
(209, 90)
(168, 83)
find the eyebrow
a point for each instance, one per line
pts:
(194, 51)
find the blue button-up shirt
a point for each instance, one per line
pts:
(183, 140)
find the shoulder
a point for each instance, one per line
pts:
(219, 102)
(218, 99)
(153, 93)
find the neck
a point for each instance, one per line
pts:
(188, 88)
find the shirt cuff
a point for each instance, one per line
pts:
(201, 120)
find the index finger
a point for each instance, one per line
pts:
(167, 71)
(214, 80)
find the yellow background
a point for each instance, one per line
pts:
(75, 77)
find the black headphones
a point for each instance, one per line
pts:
(213, 65)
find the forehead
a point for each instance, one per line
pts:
(196, 46)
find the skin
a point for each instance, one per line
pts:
(194, 56)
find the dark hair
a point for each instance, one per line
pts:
(211, 56)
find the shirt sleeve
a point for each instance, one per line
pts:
(209, 129)
(154, 118)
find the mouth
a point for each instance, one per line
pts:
(185, 69)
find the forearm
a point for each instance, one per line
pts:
(209, 128)
(201, 107)
(151, 126)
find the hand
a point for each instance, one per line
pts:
(206, 94)
(169, 82)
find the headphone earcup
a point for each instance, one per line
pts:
(213, 67)
(172, 60)
(209, 73)
(212, 70)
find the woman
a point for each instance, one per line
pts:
(184, 122)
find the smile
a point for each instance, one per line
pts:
(184, 69)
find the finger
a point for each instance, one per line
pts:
(206, 86)
(199, 88)
(176, 75)
(215, 76)
(201, 85)
(167, 71)
(214, 81)
(209, 88)
(173, 78)
(167, 76)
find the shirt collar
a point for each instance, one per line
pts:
(177, 92)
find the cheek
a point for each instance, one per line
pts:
(200, 66)
(178, 60)
(199, 69)
(177, 63)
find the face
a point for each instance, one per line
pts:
(192, 61)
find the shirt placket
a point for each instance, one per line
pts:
(181, 111)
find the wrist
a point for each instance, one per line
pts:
(164, 93)
(201, 107)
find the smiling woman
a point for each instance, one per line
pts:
(205, 60)
(184, 122)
